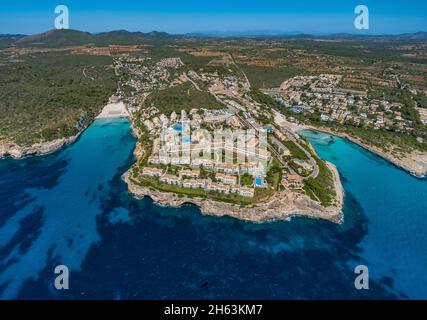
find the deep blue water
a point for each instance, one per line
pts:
(73, 208)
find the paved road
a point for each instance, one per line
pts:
(248, 84)
(284, 163)
(194, 83)
(291, 137)
(313, 162)
(269, 146)
(272, 91)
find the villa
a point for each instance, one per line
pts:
(292, 180)
(304, 164)
(170, 179)
(152, 172)
(227, 179)
(219, 187)
(243, 191)
(254, 169)
(194, 183)
(246, 192)
(227, 167)
(154, 160)
(189, 173)
(205, 163)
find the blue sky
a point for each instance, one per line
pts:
(309, 16)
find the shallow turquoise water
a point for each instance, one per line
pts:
(396, 207)
(73, 208)
(68, 209)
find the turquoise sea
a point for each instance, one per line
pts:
(72, 208)
(395, 206)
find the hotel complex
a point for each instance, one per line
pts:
(225, 156)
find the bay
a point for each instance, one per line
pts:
(72, 208)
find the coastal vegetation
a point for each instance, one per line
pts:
(154, 184)
(262, 98)
(295, 150)
(274, 174)
(387, 140)
(421, 99)
(49, 94)
(322, 187)
(46, 96)
(182, 97)
(268, 77)
(246, 180)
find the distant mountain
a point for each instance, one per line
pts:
(158, 34)
(248, 33)
(56, 38)
(419, 36)
(7, 40)
(120, 37)
(414, 36)
(61, 38)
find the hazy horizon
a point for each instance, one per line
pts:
(243, 33)
(227, 17)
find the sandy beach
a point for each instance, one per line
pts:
(114, 110)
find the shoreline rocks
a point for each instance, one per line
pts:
(282, 206)
(8, 149)
(414, 163)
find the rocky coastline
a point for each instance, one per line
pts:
(281, 206)
(10, 149)
(414, 163)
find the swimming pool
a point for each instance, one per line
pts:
(177, 127)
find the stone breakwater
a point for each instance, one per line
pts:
(280, 206)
